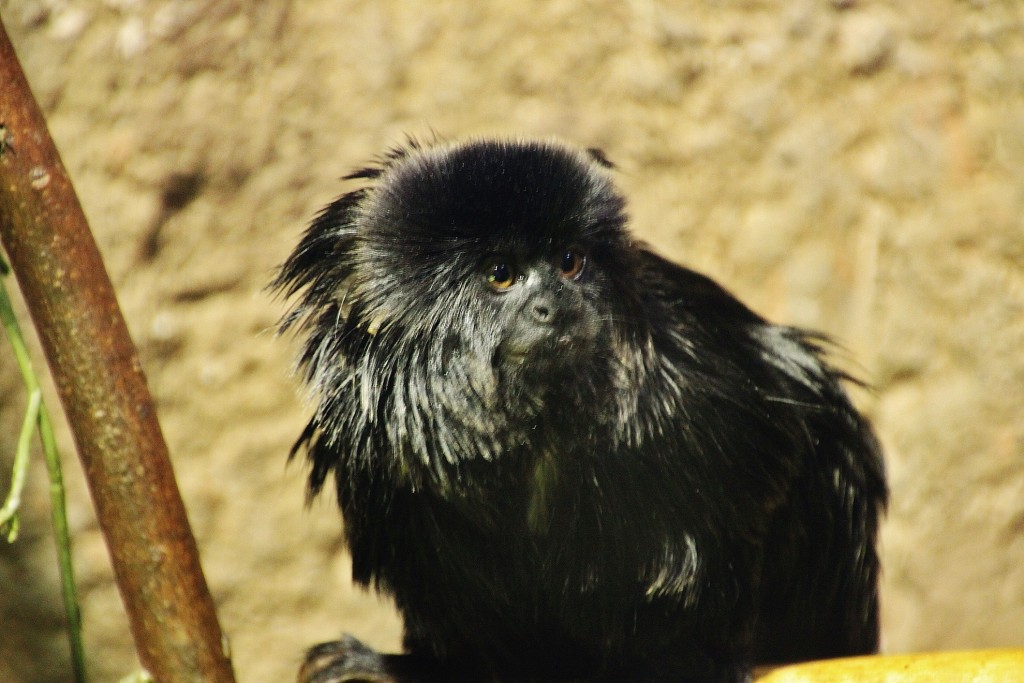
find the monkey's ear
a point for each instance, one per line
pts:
(395, 154)
(598, 155)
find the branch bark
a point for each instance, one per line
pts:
(99, 378)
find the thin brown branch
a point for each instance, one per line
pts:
(108, 405)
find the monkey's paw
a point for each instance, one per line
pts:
(344, 661)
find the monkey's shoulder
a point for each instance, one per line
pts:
(687, 290)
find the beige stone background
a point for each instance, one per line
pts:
(849, 165)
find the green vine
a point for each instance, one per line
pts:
(38, 418)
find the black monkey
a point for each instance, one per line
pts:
(565, 457)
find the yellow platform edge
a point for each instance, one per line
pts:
(961, 666)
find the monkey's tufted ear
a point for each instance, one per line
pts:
(599, 157)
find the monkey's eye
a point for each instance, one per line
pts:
(500, 276)
(572, 263)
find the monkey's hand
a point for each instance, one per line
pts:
(350, 661)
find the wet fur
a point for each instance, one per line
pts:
(669, 487)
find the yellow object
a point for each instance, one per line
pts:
(972, 666)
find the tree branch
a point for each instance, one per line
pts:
(102, 388)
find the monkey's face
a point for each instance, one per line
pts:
(465, 296)
(543, 302)
(494, 256)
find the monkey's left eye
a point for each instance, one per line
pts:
(500, 276)
(572, 263)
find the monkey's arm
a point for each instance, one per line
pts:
(350, 661)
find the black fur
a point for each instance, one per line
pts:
(620, 474)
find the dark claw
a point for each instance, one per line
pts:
(345, 661)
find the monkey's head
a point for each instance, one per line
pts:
(462, 297)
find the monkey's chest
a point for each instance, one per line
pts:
(545, 539)
(554, 583)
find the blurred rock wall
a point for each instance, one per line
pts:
(849, 165)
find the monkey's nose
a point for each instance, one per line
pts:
(543, 313)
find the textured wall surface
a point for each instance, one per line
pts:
(848, 165)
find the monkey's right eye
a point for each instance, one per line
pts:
(500, 276)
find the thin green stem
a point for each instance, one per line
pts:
(37, 415)
(9, 512)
